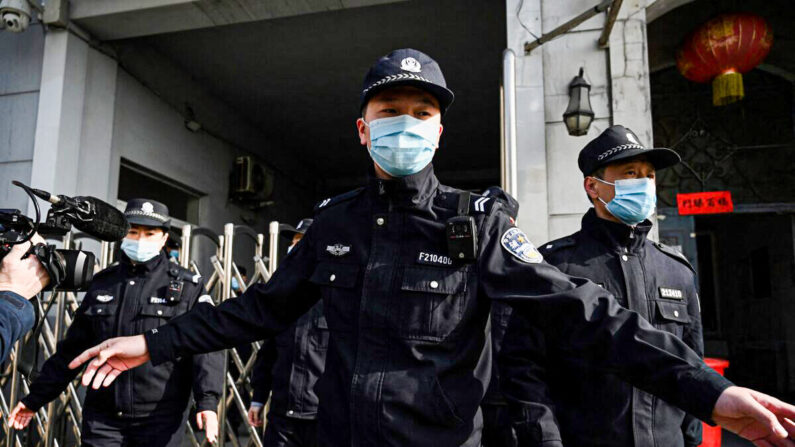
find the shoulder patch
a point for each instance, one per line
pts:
(674, 253)
(206, 299)
(557, 244)
(331, 201)
(515, 242)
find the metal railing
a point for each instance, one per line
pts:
(58, 423)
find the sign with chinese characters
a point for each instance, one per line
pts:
(712, 202)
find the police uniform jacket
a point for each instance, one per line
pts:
(409, 353)
(290, 364)
(127, 299)
(594, 408)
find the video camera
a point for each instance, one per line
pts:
(69, 270)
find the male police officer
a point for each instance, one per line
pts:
(144, 408)
(290, 365)
(20, 279)
(611, 249)
(407, 269)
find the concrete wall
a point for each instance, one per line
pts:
(550, 184)
(20, 76)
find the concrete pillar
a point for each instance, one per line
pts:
(56, 152)
(71, 154)
(530, 135)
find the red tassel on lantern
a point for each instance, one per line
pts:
(721, 50)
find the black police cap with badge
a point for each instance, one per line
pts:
(147, 212)
(407, 66)
(619, 143)
(288, 231)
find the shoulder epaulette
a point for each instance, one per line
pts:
(326, 203)
(480, 204)
(180, 273)
(557, 244)
(674, 253)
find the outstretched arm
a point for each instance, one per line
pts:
(262, 312)
(580, 317)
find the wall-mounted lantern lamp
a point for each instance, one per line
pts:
(578, 114)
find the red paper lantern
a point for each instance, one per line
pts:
(721, 50)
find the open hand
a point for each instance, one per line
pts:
(111, 358)
(208, 421)
(20, 416)
(762, 419)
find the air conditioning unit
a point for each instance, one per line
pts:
(250, 181)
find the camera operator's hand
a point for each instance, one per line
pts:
(20, 417)
(25, 277)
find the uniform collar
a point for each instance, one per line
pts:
(412, 191)
(141, 268)
(616, 235)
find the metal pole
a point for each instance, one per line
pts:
(104, 254)
(184, 254)
(509, 122)
(566, 27)
(60, 314)
(273, 230)
(226, 293)
(604, 39)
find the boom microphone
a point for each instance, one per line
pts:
(104, 221)
(89, 215)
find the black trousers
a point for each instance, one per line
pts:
(497, 428)
(103, 430)
(283, 431)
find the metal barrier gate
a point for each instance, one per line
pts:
(58, 423)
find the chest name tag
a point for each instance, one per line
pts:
(157, 300)
(433, 259)
(515, 242)
(104, 298)
(671, 294)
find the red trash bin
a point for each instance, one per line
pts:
(712, 435)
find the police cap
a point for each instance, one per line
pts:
(407, 67)
(619, 143)
(288, 231)
(147, 212)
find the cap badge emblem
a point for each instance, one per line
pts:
(148, 207)
(410, 64)
(632, 138)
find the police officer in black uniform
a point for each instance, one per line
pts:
(146, 407)
(657, 282)
(407, 269)
(289, 366)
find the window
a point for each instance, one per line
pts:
(136, 181)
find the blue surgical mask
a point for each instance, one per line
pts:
(634, 201)
(235, 284)
(140, 251)
(174, 254)
(403, 145)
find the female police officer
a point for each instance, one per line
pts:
(406, 268)
(146, 407)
